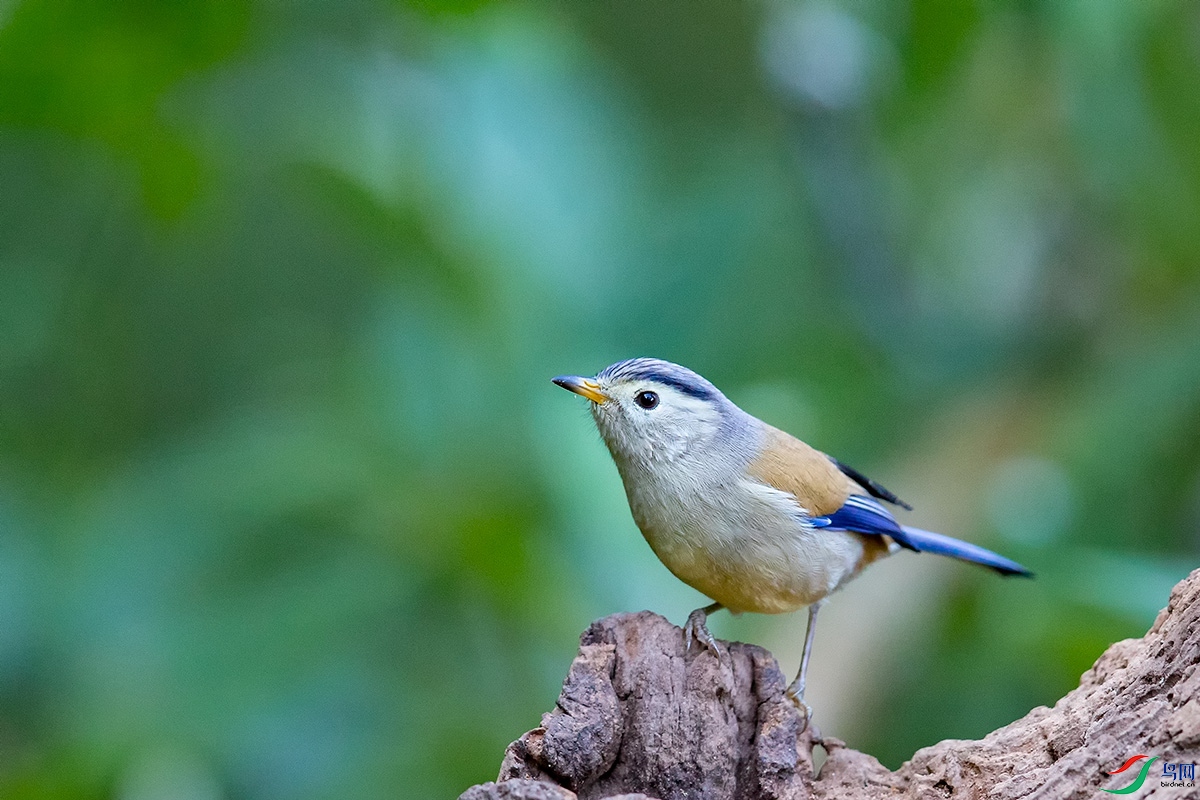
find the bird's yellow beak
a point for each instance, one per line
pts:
(582, 386)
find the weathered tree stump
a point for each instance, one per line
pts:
(639, 718)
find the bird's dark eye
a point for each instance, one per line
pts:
(646, 400)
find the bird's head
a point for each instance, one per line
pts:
(652, 411)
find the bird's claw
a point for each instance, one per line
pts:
(796, 695)
(696, 628)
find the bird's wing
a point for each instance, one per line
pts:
(834, 500)
(791, 466)
(864, 515)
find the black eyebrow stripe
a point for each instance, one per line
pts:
(666, 379)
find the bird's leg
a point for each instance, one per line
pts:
(697, 628)
(796, 690)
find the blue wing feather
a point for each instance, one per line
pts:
(864, 515)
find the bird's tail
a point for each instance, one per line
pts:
(930, 542)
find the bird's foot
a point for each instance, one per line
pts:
(696, 628)
(795, 693)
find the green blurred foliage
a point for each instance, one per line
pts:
(288, 508)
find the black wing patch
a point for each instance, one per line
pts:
(875, 489)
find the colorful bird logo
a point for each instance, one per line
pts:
(1141, 778)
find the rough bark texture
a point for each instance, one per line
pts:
(639, 718)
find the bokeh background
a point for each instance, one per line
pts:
(288, 505)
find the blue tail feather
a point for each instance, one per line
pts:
(930, 542)
(865, 515)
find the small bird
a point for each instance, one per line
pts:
(743, 512)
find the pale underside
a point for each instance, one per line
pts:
(748, 546)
